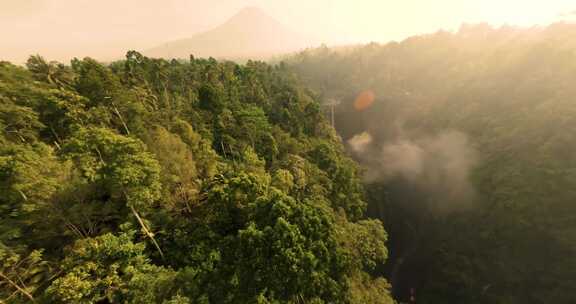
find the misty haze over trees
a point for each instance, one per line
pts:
(468, 155)
(439, 169)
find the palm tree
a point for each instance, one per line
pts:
(52, 72)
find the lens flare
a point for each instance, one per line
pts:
(364, 100)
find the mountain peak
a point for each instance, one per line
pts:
(250, 14)
(249, 33)
(251, 11)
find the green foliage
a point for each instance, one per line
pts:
(50, 72)
(117, 163)
(268, 246)
(21, 276)
(240, 189)
(19, 124)
(178, 167)
(345, 192)
(112, 269)
(30, 175)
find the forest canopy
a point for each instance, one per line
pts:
(197, 181)
(438, 169)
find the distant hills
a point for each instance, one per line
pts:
(250, 33)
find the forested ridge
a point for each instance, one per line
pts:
(202, 181)
(468, 147)
(193, 181)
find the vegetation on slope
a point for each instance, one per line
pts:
(153, 181)
(509, 93)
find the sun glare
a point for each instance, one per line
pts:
(384, 20)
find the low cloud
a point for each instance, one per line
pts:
(359, 143)
(438, 165)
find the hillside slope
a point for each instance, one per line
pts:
(249, 34)
(149, 181)
(467, 143)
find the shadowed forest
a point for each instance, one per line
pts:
(468, 156)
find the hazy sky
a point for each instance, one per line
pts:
(60, 29)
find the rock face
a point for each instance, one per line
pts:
(250, 33)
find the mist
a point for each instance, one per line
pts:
(106, 29)
(437, 164)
